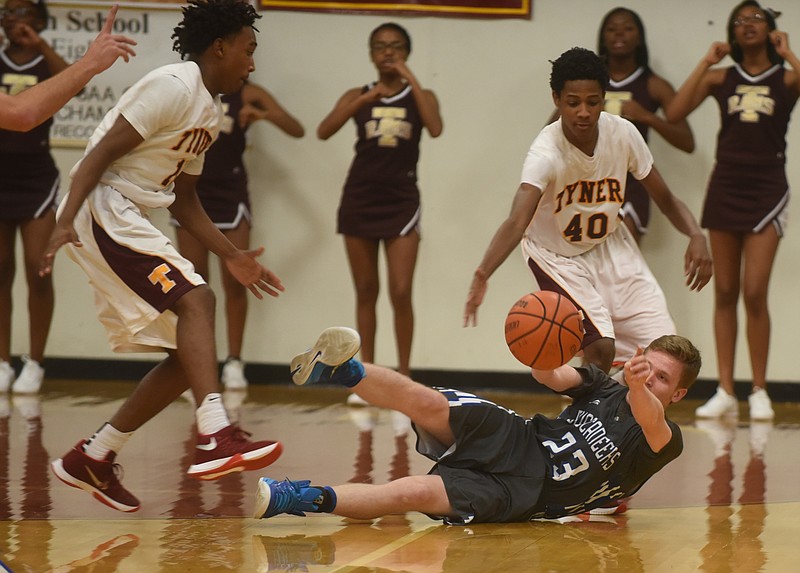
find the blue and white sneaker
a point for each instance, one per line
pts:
(293, 497)
(330, 359)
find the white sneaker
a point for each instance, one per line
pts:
(6, 376)
(760, 405)
(720, 404)
(233, 374)
(30, 377)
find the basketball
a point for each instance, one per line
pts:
(544, 330)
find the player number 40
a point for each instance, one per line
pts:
(596, 227)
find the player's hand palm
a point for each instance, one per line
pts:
(637, 369)
(697, 264)
(107, 47)
(477, 291)
(61, 235)
(249, 272)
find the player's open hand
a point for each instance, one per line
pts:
(477, 290)
(107, 47)
(249, 272)
(697, 263)
(61, 235)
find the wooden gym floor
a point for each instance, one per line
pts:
(730, 503)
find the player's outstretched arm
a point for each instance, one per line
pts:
(26, 110)
(559, 379)
(189, 212)
(697, 260)
(505, 239)
(119, 140)
(646, 408)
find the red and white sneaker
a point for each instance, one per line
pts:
(230, 450)
(100, 478)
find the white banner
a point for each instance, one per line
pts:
(71, 29)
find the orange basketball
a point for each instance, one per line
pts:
(544, 330)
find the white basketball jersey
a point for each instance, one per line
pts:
(582, 195)
(178, 118)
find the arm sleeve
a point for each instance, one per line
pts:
(537, 170)
(640, 159)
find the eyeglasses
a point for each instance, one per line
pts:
(756, 18)
(383, 46)
(20, 12)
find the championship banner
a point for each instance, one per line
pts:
(460, 8)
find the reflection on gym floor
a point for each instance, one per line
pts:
(729, 503)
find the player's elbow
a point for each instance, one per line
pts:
(436, 130)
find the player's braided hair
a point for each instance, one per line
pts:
(206, 20)
(577, 64)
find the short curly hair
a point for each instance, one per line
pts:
(206, 20)
(577, 64)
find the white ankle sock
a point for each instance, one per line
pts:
(211, 416)
(106, 439)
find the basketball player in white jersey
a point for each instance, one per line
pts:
(567, 214)
(148, 152)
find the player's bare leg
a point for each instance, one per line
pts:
(759, 256)
(413, 493)
(401, 258)
(236, 295)
(41, 298)
(726, 250)
(363, 257)
(426, 407)
(426, 494)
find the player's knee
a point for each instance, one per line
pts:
(367, 290)
(416, 492)
(201, 298)
(755, 301)
(400, 295)
(430, 404)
